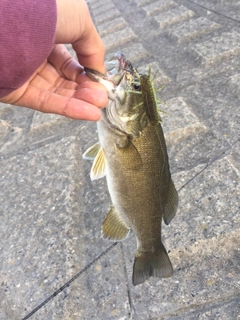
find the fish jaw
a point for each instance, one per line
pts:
(105, 80)
(117, 63)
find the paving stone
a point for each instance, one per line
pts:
(194, 285)
(160, 78)
(41, 121)
(123, 36)
(6, 110)
(45, 240)
(218, 48)
(234, 84)
(214, 203)
(51, 213)
(14, 122)
(142, 2)
(227, 8)
(97, 294)
(111, 26)
(226, 310)
(15, 116)
(222, 111)
(101, 18)
(203, 233)
(192, 29)
(94, 4)
(205, 146)
(30, 216)
(234, 160)
(135, 53)
(4, 127)
(16, 137)
(47, 128)
(173, 16)
(159, 6)
(105, 7)
(181, 122)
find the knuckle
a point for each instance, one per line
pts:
(43, 99)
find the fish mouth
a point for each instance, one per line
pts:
(116, 68)
(125, 110)
(94, 74)
(108, 79)
(118, 63)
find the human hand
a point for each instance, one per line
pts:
(59, 85)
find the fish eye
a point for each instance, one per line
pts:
(136, 86)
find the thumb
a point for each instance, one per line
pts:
(75, 26)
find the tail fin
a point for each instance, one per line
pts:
(147, 264)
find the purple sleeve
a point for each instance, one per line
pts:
(27, 30)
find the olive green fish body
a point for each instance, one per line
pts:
(139, 183)
(132, 154)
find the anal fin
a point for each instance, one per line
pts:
(114, 228)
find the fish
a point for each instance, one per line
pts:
(132, 154)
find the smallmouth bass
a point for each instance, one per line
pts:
(132, 154)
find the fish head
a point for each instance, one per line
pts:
(125, 110)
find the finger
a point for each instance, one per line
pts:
(75, 26)
(89, 47)
(49, 102)
(52, 76)
(90, 52)
(63, 87)
(47, 80)
(93, 96)
(68, 88)
(54, 79)
(64, 63)
(91, 84)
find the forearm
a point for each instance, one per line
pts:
(27, 32)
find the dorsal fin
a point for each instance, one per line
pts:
(149, 98)
(171, 204)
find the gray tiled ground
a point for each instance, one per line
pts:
(51, 212)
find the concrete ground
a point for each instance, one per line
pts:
(51, 213)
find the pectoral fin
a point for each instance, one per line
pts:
(91, 152)
(171, 204)
(114, 228)
(130, 157)
(99, 166)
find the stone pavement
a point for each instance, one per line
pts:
(51, 213)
